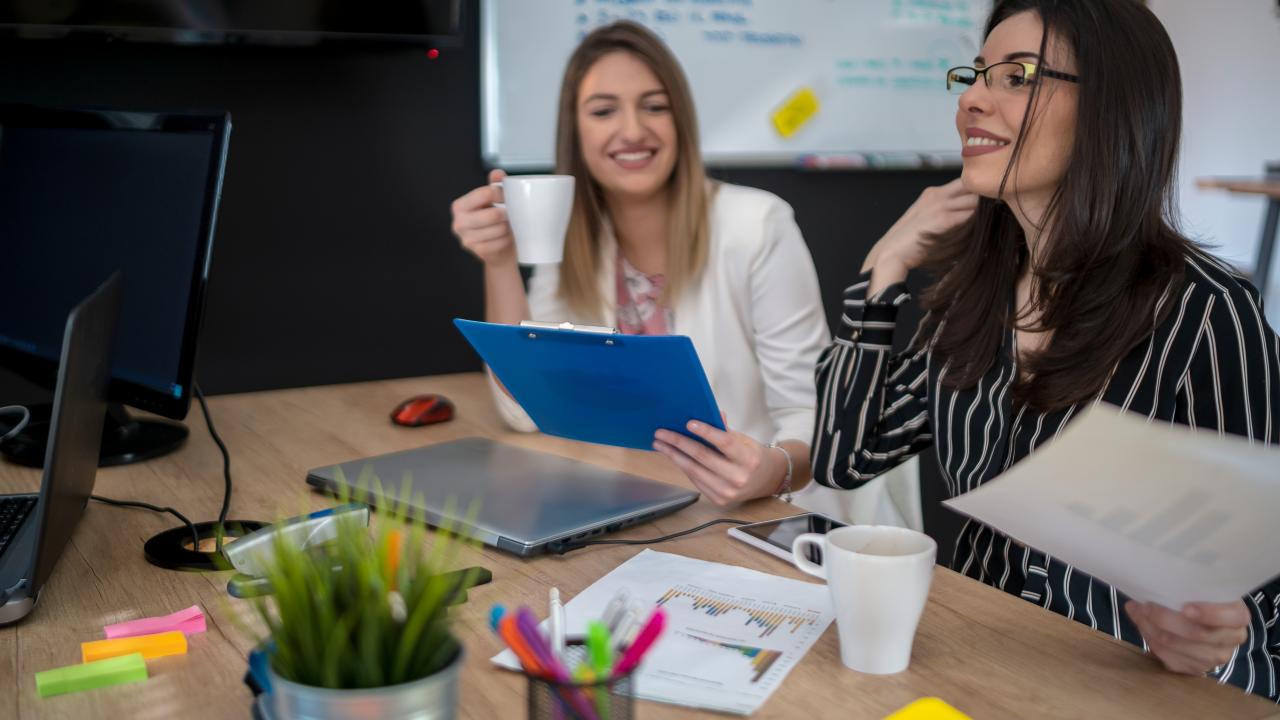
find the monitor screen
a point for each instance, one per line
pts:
(218, 21)
(78, 203)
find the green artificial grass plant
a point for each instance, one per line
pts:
(379, 618)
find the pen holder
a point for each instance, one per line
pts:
(607, 699)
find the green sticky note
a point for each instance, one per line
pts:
(87, 676)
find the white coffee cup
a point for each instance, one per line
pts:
(879, 578)
(538, 209)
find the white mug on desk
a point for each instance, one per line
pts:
(879, 578)
(538, 209)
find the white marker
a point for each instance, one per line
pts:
(556, 618)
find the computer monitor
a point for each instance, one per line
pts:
(84, 194)
(297, 22)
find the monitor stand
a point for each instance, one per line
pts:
(125, 439)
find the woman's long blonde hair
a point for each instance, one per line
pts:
(688, 233)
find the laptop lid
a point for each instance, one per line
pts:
(524, 500)
(79, 408)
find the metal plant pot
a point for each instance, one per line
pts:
(434, 697)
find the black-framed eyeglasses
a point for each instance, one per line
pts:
(1005, 77)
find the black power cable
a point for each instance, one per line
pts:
(219, 532)
(226, 468)
(195, 536)
(26, 416)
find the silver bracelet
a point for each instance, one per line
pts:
(784, 490)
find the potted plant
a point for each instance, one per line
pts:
(363, 629)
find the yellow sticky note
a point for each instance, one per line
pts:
(795, 111)
(151, 646)
(929, 708)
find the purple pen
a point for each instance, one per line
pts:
(527, 624)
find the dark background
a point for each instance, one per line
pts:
(333, 260)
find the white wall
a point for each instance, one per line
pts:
(1229, 51)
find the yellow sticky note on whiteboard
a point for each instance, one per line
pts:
(795, 111)
(929, 708)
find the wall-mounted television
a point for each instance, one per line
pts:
(204, 22)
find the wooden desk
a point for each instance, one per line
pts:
(984, 651)
(1268, 187)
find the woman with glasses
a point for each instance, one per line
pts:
(1060, 281)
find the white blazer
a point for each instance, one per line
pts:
(755, 317)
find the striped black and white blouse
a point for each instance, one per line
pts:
(1214, 364)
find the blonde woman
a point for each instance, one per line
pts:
(654, 247)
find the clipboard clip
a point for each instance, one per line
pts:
(595, 329)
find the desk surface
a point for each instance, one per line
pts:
(1249, 186)
(987, 653)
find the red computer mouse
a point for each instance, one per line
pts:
(423, 410)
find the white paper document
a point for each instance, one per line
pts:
(1161, 512)
(731, 636)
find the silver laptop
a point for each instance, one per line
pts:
(528, 502)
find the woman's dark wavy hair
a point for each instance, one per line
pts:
(1113, 249)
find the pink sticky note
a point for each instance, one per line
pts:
(187, 621)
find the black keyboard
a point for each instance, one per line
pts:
(13, 510)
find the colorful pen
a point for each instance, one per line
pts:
(509, 629)
(555, 619)
(511, 634)
(600, 661)
(527, 623)
(614, 610)
(599, 648)
(631, 658)
(625, 627)
(528, 626)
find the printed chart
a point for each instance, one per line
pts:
(761, 660)
(732, 634)
(764, 615)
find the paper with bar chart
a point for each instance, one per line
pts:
(732, 634)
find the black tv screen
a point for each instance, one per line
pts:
(289, 22)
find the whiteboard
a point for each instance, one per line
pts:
(877, 67)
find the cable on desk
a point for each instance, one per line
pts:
(15, 410)
(226, 495)
(226, 467)
(195, 536)
(26, 418)
(570, 547)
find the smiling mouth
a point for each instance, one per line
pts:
(633, 155)
(980, 142)
(977, 141)
(639, 159)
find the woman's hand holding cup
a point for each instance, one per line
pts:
(481, 227)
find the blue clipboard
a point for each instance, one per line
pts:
(595, 385)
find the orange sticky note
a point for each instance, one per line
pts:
(151, 646)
